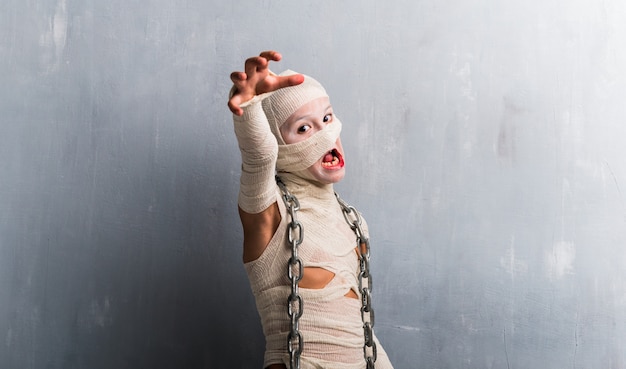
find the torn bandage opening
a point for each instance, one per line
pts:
(317, 278)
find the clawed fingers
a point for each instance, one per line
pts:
(271, 55)
(255, 64)
(291, 80)
(233, 105)
(257, 79)
(238, 77)
(261, 62)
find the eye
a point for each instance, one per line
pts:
(304, 128)
(327, 118)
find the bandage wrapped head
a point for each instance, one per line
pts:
(279, 106)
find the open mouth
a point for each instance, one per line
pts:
(332, 159)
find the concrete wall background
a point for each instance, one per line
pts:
(484, 146)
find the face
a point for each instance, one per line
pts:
(306, 121)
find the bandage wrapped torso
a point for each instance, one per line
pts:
(331, 324)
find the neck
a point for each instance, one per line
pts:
(304, 187)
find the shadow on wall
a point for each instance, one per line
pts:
(184, 302)
(131, 261)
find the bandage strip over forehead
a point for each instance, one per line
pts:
(299, 156)
(282, 103)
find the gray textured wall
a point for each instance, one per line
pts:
(485, 147)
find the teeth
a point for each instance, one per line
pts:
(331, 163)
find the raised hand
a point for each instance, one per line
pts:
(258, 79)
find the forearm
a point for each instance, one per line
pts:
(259, 151)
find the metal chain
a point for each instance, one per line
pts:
(295, 235)
(353, 218)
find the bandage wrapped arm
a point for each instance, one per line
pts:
(259, 150)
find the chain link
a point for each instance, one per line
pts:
(295, 235)
(353, 218)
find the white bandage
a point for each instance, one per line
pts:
(280, 104)
(259, 151)
(263, 150)
(298, 157)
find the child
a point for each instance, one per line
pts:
(306, 252)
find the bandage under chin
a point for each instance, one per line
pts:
(299, 156)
